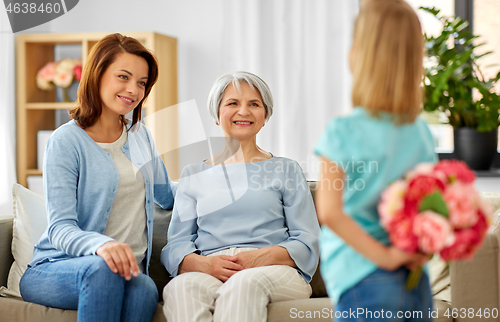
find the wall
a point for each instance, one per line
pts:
(300, 48)
(195, 23)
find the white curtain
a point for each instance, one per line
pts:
(300, 48)
(7, 115)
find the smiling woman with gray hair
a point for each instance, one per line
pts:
(244, 230)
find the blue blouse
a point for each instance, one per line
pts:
(257, 204)
(372, 152)
(80, 182)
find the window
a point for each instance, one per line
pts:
(486, 25)
(442, 133)
(483, 14)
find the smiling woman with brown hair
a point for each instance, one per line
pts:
(102, 175)
(244, 230)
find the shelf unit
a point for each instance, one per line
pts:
(36, 108)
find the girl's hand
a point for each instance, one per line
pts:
(397, 258)
(120, 258)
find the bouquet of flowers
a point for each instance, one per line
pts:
(61, 73)
(435, 209)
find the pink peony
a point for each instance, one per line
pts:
(455, 169)
(422, 168)
(48, 72)
(65, 65)
(463, 203)
(43, 83)
(392, 202)
(433, 232)
(401, 233)
(422, 186)
(63, 78)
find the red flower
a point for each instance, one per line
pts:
(401, 232)
(421, 186)
(466, 241)
(455, 169)
(77, 70)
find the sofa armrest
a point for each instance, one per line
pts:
(474, 283)
(6, 258)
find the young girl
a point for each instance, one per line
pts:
(102, 175)
(361, 155)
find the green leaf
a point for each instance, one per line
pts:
(435, 203)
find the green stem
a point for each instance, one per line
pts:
(414, 278)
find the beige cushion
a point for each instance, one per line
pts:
(17, 310)
(30, 221)
(5, 248)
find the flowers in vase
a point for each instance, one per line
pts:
(61, 73)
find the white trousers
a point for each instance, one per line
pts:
(244, 297)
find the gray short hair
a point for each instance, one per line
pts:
(220, 85)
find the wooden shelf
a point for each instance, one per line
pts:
(36, 108)
(33, 172)
(50, 106)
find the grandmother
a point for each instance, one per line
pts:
(244, 230)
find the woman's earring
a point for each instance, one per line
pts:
(217, 123)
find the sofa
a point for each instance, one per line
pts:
(475, 284)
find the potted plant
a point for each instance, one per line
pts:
(455, 85)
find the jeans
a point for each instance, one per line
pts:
(86, 283)
(382, 296)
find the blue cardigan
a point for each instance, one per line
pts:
(80, 182)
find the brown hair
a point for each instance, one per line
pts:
(387, 59)
(103, 54)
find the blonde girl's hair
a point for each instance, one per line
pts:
(387, 59)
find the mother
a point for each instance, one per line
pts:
(102, 174)
(244, 230)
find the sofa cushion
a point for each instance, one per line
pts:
(30, 221)
(18, 310)
(5, 248)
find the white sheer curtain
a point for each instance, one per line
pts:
(7, 115)
(300, 48)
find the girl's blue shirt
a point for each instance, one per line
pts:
(372, 152)
(80, 183)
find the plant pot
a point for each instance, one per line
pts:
(477, 149)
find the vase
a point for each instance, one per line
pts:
(477, 149)
(65, 95)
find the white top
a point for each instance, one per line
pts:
(127, 219)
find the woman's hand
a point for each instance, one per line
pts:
(266, 256)
(221, 267)
(120, 258)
